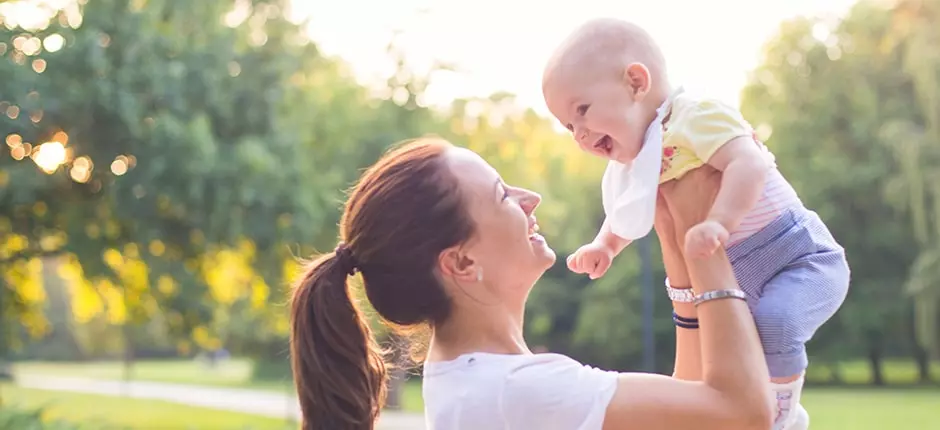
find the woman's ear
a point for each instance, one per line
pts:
(457, 264)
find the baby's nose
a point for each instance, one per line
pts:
(582, 135)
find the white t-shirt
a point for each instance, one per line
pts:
(482, 391)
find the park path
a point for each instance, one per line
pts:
(271, 404)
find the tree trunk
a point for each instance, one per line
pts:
(923, 364)
(874, 361)
(5, 373)
(835, 374)
(128, 356)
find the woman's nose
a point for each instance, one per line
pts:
(529, 200)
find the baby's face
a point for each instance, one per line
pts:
(603, 114)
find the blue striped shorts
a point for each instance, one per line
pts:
(796, 277)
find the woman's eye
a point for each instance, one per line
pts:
(583, 109)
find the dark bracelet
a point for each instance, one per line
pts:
(682, 322)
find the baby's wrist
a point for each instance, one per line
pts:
(611, 243)
(606, 247)
(726, 220)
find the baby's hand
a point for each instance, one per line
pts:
(704, 238)
(593, 259)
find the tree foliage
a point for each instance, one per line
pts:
(853, 131)
(172, 158)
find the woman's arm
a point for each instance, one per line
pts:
(688, 348)
(733, 391)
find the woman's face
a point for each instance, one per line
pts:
(506, 251)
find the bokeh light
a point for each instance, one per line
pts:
(39, 65)
(81, 169)
(53, 42)
(119, 165)
(49, 156)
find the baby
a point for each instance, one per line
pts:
(607, 84)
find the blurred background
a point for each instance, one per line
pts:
(165, 162)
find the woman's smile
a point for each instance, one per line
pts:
(534, 235)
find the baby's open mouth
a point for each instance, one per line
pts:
(604, 144)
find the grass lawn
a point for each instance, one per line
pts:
(234, 373)
(831, 409)
(836, 408)
(872, 409)
(136, 414)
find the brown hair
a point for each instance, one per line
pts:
(403, 213)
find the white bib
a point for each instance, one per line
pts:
(628, 191)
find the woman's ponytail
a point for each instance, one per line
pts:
(338, 367)
(402, 214)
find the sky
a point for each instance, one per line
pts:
(501, 45)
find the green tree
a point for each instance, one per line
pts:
(833, 104)
(916, 142)
(145, 136)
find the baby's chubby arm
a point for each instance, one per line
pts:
(744, 169)
(594, 258)
(744, 172)
(609, 240)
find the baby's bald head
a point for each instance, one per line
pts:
(605, 84)
(605, 47)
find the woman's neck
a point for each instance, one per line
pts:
(492, 330)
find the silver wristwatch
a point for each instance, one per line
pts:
(681, 295)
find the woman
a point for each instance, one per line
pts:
(440, 239)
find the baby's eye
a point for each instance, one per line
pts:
(583, 109)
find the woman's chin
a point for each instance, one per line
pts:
(541, 249)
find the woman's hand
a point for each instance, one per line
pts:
(664, 225)
(681, 205)
(690, 199)
(670, 245)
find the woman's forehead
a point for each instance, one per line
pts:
(470, 169)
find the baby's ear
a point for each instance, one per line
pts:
(637, 77)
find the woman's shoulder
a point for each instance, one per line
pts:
(522, 391)
(554, 372)
(510, 364)
(520, 374)
(560, 391)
